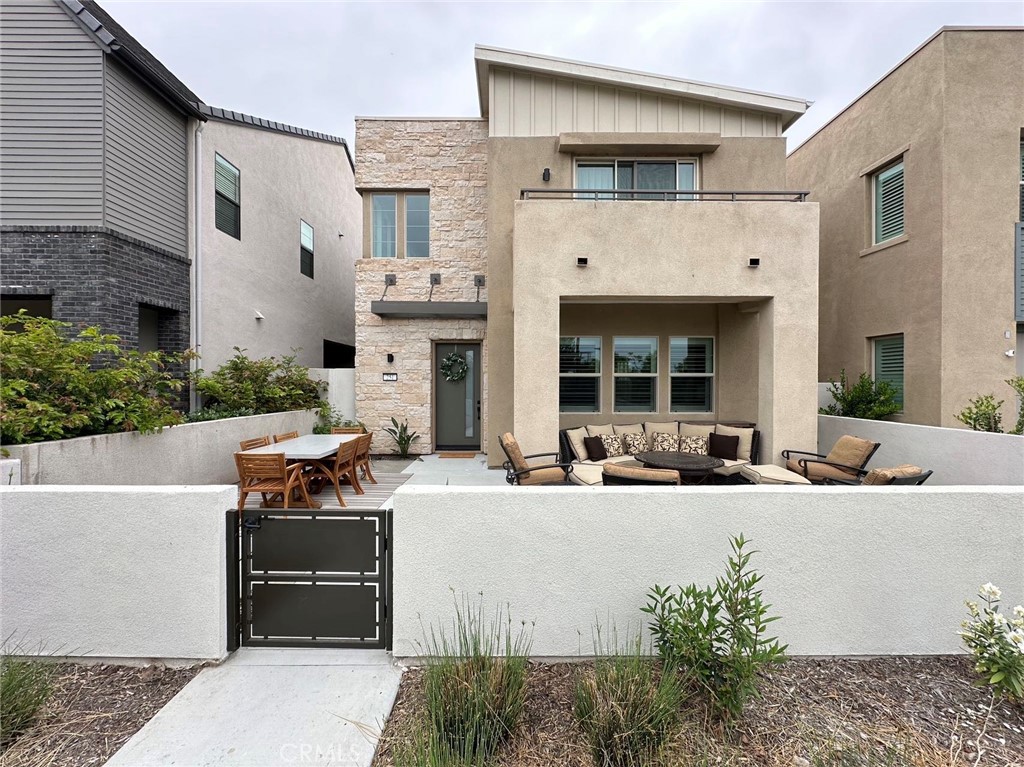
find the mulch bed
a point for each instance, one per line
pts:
(918, 712)
(92, 712)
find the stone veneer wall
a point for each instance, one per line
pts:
(448, 157)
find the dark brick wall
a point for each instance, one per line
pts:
(97, 276)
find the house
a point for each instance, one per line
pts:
(126, 202)
(600, 245)
(921, 188)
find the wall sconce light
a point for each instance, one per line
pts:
(389, 280)
(479, 281)
(391, 358)
(582, 261)
(259, 315)
(754, 263)
(546, 175)
(435, 279)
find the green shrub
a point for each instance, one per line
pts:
(716, 634)
(55, 386)
(997, 644)
(402, 436)
(1017, 384)
(331, 418)
(475, 685)
(25, 686)
(626, 706)
(867, 398)
(267, 385)
(216, 413)
(982, 414)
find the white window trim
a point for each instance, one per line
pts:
(615, 175)
(712, 375)
(655, 375)
(898, 160)
(598, 375)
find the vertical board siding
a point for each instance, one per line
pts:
(524, 104)
(146, 163)
(51, 118)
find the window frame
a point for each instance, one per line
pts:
(681, 194)
(303, 250)
(598, 375)
(218, 195)
(876, 180)
(654, 374)
(405, 216)
(1021, 211)
(373, 227)
(711, 376)
(902, 400)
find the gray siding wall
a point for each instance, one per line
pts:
(146, 170)
(51, 118)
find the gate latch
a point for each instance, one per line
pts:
(252, 523)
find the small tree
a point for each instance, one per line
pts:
(267, 385)
(867, 398)
(982, 414)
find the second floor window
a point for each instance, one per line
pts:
(400, 225)
(227, 184)
(384, 221)
(887, 191)
(305, 249)
(417, 225)
(657, 175)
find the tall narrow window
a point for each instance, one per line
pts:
(417, 225)
(888, 203)
(692, 375)
(1021, 219)
(384, 226)
(579, 374)
(889, 363)
(305, 249)
(227, 184)
(635, 374)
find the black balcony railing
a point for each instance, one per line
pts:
(661, 195)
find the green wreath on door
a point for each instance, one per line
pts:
(454, 367)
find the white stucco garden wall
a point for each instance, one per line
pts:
(341, 388)
(957, 456)
(189, 454)
(851, 571)
(115, 572)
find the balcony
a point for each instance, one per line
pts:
(661, 195)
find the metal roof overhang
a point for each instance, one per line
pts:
(435, 309)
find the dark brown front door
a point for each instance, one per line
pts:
(457, 396)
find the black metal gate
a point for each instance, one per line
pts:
(311, 578)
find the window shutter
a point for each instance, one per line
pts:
(889, 363)
(1019, 268)
(226, 179)
(1021, 182)
(889, 203)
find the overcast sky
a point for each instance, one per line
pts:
(319, 64)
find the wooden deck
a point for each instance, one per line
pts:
(374, 498)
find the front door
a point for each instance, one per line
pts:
(457, 396)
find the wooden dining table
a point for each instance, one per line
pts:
(308, 447)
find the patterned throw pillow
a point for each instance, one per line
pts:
(697, 445)
(665, 442)
(634, 443)
(612, 444)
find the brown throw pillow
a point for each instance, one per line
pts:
(595, 449)
(612, 445)
(721, 446)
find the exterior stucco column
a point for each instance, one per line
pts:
(535, 391)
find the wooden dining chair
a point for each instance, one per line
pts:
(363, 455)
(249, 444)
(347, 430)
(342, 465)
(269, 475)
(285, 437)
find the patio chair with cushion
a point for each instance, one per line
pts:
(268, 475)
(363, 455)
(285, 437)
(249, 444)
(904, 474)
(846, 458)
(616, 474)
(333, 470)
(519, 472)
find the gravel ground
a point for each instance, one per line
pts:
(92, 712)
(885, 712)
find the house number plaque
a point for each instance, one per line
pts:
(390, 376)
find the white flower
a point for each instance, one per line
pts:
(1019, 611)
(989, 591)
(1016, 637)
(998, 619)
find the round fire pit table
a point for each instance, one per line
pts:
(693, 469)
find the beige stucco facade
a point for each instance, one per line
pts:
(284, 179)
(954, 111)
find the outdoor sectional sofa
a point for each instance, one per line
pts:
(588, 472)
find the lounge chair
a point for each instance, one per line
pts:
(846, 458)
(519, 472)
(904, 474)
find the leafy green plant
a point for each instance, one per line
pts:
(216, 413)
(982, 414)
(400, 433)
(475, 685)
(717, 633)
(55, 386)
(331, 418)
(1017, 384)
(997, 643)
(266, 385)
(867, 398)
(25, 686)
(626, 705)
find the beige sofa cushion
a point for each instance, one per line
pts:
(816, 472)
(629, 428)
(746, 439)
(770, 474)
(651, 475)
(851, 451)
(597, 431)
(886, 476)
(589, 472)
(669, 427)
(576, 440)
(543, 477)
(696, 429)
(730, 468)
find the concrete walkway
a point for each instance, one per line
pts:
(267, 707)
(435, 470)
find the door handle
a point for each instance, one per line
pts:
(478, 409)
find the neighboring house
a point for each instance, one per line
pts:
(95, 136)
(280, 230)
(921, 188)
(647, 299)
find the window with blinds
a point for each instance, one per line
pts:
(889, 363)
(691, 375)
(384, 226)
(579, 374)
(227, 183)
(1021, 219)
(635, 374)
(305, 249)
(417, 225)
(888, 194)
